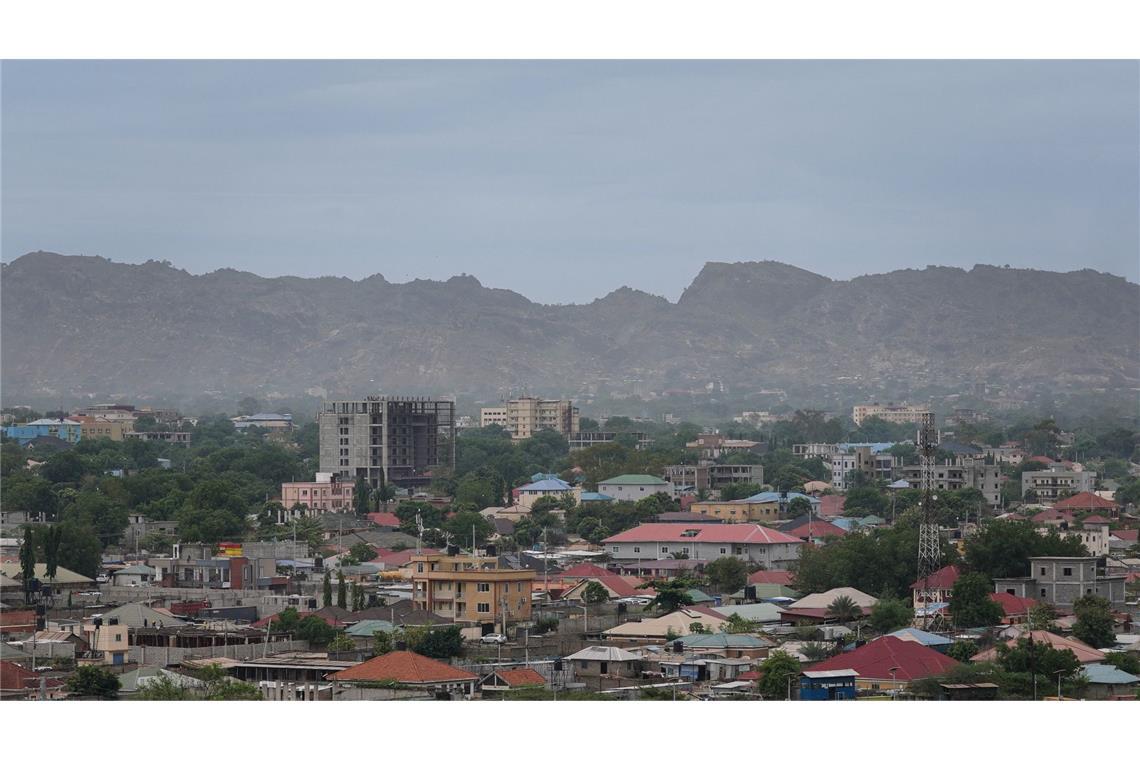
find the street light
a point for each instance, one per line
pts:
(891, 672)
(1058, 673)
(789, 678)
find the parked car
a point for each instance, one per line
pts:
(494, 638)
(42, 668)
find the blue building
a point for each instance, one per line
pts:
(827, 685)
(66, 430)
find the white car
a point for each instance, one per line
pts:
(493, 638)
(638, 600)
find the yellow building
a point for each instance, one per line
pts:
(738, 511)
(471, 591)
(523, 417)
(101, 427)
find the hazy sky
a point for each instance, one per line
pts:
(565, 180)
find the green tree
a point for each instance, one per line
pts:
(595, 593)
(79, 549)
(92, 681)
(737, 624)
(727, 573)
(1129, 662)
(382, 643)
(672, 594)
(326, 591)
(341, 599)
(843, 608)
(465, 523)
(734, 491)
(440, 643)
(341, 643)
(864, 501)
(970, 603)
(315, 631)
(798, 506)
(1002, 548)
(776, 673)
(1095, 623)
(52, 539)
(962, 650)
(1042, 617)
(28, 563)
(361, 553)
(889, 614)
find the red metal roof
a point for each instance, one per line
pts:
(14, 677)
(909, 659)
(1095, 520)
(384, 519)
(738, 533)
(831, 505)
(1125, 535)
(780, 577)
(586, 570)
(940, 580)
(403, 667)
(1012, 605)
(816, 529)
(1051, 514)
(1086, 500)
(521, 677)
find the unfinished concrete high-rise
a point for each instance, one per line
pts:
(402, 440)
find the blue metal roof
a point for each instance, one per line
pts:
(551, 484)
(770, 497)
(594, 496)
(926, 638)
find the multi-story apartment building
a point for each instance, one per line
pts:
(634, 487)
(328, 493)
(897, 413)
(701, 477)
(871, 460)
(102, 427)
(1062, 580)
(274, 423)
(754, 509)
(67, 430)
(181, 437)
(585, 438)
(471, 591)
(523, 417)
(402, 440)
(752, 543)
(712, 445)
(824, 451)
(962, 473)
(1056, 482)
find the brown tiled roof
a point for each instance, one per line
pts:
(403, 667)
(521, 677)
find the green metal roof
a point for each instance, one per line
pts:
(634, 480)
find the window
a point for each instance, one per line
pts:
(1043, 571)
(118, 637)
(484, 607)
(518, 586)
(723, 550)
(1066, 571)
(483, 588)
(604, 667)
(637, 550)
(1042, 592)
(664, 549)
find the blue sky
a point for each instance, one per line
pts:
(566, 180)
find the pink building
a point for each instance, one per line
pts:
(326, 494)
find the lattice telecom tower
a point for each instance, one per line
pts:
(929, 558)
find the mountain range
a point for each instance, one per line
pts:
(84, 324)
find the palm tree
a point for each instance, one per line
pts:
(815, 651)
(843, 608)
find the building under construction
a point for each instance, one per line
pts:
(402, 440)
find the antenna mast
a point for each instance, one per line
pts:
(929, 557)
